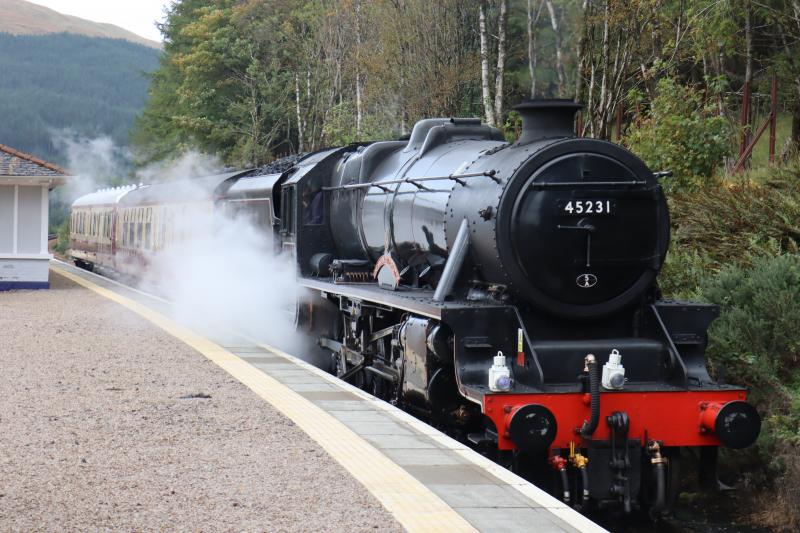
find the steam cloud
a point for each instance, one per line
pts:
(220, 273)
(92, 163)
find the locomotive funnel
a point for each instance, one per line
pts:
(547, 118)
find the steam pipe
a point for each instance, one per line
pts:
(565, 484)
(661, 487)
(590, 425)
(659, 463)
(454, 262)
(559, 464)
(585, 482)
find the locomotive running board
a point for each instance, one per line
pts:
(418, 302)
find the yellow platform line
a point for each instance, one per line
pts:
(412, 504)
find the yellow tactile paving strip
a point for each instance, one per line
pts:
(409, 501)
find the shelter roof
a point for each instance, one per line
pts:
(17, 164)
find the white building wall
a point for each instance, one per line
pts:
(29, 220)
(24, 257)
(7, 218)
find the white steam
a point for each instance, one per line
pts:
(92, 163)
(222, 275)
(190, 164)
(219, 273)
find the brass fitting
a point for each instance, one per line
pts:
(590, 359)
(655, 453)
(578, 460)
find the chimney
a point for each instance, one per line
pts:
(547, 118)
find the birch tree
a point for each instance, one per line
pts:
(501, 62)
(555, 24)
(485, 91)
(493, 113)
(533, 19)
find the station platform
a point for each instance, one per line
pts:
(297, 448)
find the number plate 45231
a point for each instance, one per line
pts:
(586, 207)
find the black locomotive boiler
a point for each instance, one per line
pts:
(507, 293)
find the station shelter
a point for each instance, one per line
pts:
(25, 184)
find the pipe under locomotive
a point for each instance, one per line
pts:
(505, 292)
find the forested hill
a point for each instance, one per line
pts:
(19, 17)
(55, 82)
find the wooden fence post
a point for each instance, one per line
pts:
(745, 119)
(773, 116)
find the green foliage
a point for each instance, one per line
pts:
(681, 132)
(512, 128)
(734, 222)
(756, 337)
(338, 129)
(683, 272)
(756, 342)
(90, 86)
(62, 244)
(736, 245)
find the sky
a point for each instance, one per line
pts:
(138, 16)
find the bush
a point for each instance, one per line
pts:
(757, 337)
(756, 343)
(62, 244)
(683, 272)
(735, 223)
(736, 244)
(681, 132)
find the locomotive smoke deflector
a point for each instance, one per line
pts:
(544, 119)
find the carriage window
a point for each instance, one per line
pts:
(148, 235)
(139, 235)
(131, 228)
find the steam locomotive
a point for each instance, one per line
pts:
(505, 292)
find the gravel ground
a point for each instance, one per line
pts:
(98, 432)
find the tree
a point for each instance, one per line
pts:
(533, 18)
(493, 113)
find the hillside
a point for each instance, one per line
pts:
(18, 17)
(91, 86)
